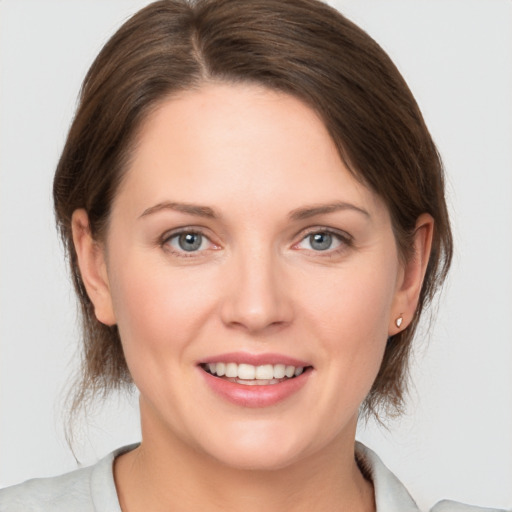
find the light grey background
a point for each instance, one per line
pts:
(456, 441)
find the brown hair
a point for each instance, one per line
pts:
(301, 47)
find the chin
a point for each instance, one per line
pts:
(258, 459)
(259, 448)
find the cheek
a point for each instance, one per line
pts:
(160, 314)
(349, 315)
(156, 309)
(352, 303)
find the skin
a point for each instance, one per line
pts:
(257, 285)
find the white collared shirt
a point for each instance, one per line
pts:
(392, 496)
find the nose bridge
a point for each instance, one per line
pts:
(257, 296)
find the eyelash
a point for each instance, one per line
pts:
(167, 237)
(345, 240)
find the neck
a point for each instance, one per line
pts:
(166, 474)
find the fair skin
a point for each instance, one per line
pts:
(283, 259)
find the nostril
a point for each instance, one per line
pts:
(254, 298)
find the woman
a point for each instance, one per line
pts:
(254, 214)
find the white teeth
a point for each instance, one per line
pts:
(279, 371)
(257, 382)
(231, 370)
(246, 371)
(263, 374)
(289, 371)
(221, 369)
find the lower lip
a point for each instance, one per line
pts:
(255, 396)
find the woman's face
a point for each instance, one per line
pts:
(239, 244)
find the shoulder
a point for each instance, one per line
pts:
(455, 506)
(65, 492)
(83, 490)
(391, 495)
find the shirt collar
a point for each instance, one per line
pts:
(390, 493)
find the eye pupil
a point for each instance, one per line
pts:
(320, 241)
(190, 241)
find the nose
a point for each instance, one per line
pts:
(256, 296)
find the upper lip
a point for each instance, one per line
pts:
(255, 359)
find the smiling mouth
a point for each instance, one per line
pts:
(249, 375)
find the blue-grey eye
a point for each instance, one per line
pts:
(188, 242)
(320, 241)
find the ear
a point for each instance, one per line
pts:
(411, 276)
(93, 268)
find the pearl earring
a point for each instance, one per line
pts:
(399, 320)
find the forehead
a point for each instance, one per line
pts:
(244, 143)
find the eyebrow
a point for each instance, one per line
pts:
(191, 209)
(319, 209)
(302, 213)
